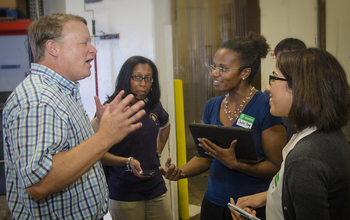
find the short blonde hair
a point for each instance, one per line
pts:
(46, 28)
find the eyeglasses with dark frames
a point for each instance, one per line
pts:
(221, 70)
(139, 79)
(272, 79)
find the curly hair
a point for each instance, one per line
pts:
(250, 50)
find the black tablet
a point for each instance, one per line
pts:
(223, 136)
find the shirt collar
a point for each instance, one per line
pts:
(63, 81)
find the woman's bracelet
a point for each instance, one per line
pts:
(128, 164)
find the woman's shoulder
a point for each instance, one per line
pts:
(321, 145)
(158, 110)
(215, 100)
(261, 98)
(318, 157)
(259, 104)
(334, 137)
(213, 104)
(159, 106)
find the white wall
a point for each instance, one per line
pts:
(13, 51)
(164, 61)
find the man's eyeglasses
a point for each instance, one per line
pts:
(220, 69)
(272, 79)
(139, 79)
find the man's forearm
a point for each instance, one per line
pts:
(69, 166)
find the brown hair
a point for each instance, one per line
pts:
(321, 93)
(46, 28)
(289, 45)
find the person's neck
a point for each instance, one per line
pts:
(238, 95)
(49, 64)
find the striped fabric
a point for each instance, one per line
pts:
(42, 117)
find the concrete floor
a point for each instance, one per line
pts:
(4, 211)
(196, 188)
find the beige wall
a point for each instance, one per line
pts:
(338, 31)
(286, 18)
(338, 37)
(298, 18)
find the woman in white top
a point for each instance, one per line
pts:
(310, 88)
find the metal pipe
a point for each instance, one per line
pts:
(96, 78)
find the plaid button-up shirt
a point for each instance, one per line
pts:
(42, 117)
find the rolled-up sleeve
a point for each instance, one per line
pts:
(37, 134)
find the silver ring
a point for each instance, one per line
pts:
(209, 152)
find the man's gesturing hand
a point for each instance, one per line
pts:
(118, 119)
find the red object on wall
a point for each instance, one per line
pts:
(96, 77)
(14, 26)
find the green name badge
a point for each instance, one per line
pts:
(245, 121)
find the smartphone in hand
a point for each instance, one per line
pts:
(242, 212)
(148, 173)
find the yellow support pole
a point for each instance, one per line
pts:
(184, 212)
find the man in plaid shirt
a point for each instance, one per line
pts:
(51, 151)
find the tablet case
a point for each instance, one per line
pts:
(223, 136)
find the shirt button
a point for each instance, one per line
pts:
(285, 208)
